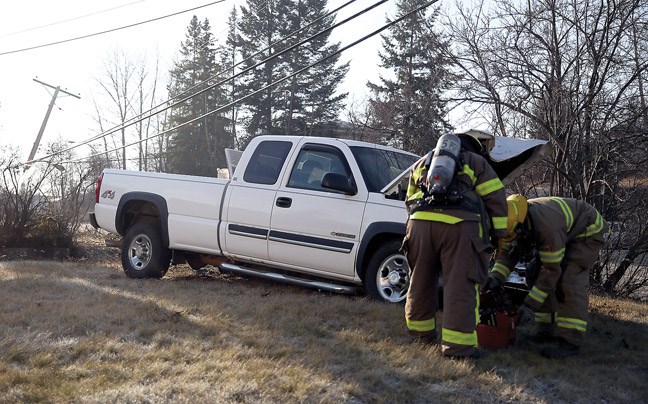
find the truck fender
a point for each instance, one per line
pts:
(377, 232)
(160, 204)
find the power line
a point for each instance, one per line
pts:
(229, 105)
(79, 144)
(110, 30)
(69, 19)
(143, 116)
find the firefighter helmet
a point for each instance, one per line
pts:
(471, 143)
(517, 211)
(477, 141)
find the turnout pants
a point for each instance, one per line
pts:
(564, 312)
(458, 254)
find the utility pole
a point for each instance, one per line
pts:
(57, 90)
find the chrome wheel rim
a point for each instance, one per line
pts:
(140, 251)
(392, 278)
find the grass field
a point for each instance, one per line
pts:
(83, 332)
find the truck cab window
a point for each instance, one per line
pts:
(312, 163)
(379, 167)
(266, 162)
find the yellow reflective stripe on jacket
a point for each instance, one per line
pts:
(422, 325)
(569, 216)
(435, 217)
(499, 223)
(552, 257)
(571, 323)
(469, 172)
(538, 295)
(543, 317)
(501, 269)
(459, 338)
(595, 227)
(413, 191)
(489, 186)
(415, 195)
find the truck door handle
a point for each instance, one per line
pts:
(283, 202)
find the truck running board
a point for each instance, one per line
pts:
(331, 287)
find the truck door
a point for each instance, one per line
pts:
(251, 199)
(312, 226)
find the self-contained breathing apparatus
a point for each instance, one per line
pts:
(438, 190)
(438, 187)
(442, 167)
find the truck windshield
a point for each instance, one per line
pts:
(379, 167)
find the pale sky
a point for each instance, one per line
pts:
(75, 65)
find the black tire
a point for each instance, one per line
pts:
(387, 275)
(194, 262)
(143, 255)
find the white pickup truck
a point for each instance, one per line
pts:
(318, 212)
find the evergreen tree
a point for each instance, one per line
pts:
(307, 102)
(228, 60)
(409, 107)
(198, 148)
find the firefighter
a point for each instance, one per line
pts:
(448, 236)
(567, 235)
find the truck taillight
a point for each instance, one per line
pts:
(97, 190)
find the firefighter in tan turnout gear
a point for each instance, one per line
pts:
(454, 200)
(567, 234)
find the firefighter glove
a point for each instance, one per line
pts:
(525, 314)
(492, 283)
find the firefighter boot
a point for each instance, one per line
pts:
(425, 338)
(474, 355)
(563, 350)
(545, 334)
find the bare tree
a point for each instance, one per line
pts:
(129, 90)
(572, 73)
(20, 197)
(360, 118)
(99, 119)
(69, 190)
(43, 205)
(118, 72)
(145, 101)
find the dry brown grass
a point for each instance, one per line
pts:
(83, 332)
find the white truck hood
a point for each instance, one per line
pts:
(509, 157)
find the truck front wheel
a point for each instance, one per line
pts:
(387, 276)
(143, 255)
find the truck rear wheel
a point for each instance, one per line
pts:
(387, 276)
(143, 255)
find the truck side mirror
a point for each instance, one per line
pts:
(338, 182)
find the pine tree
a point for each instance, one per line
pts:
(409, 107)
(307, 102)
(227, 54)
(198, 148)
(313, 104)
